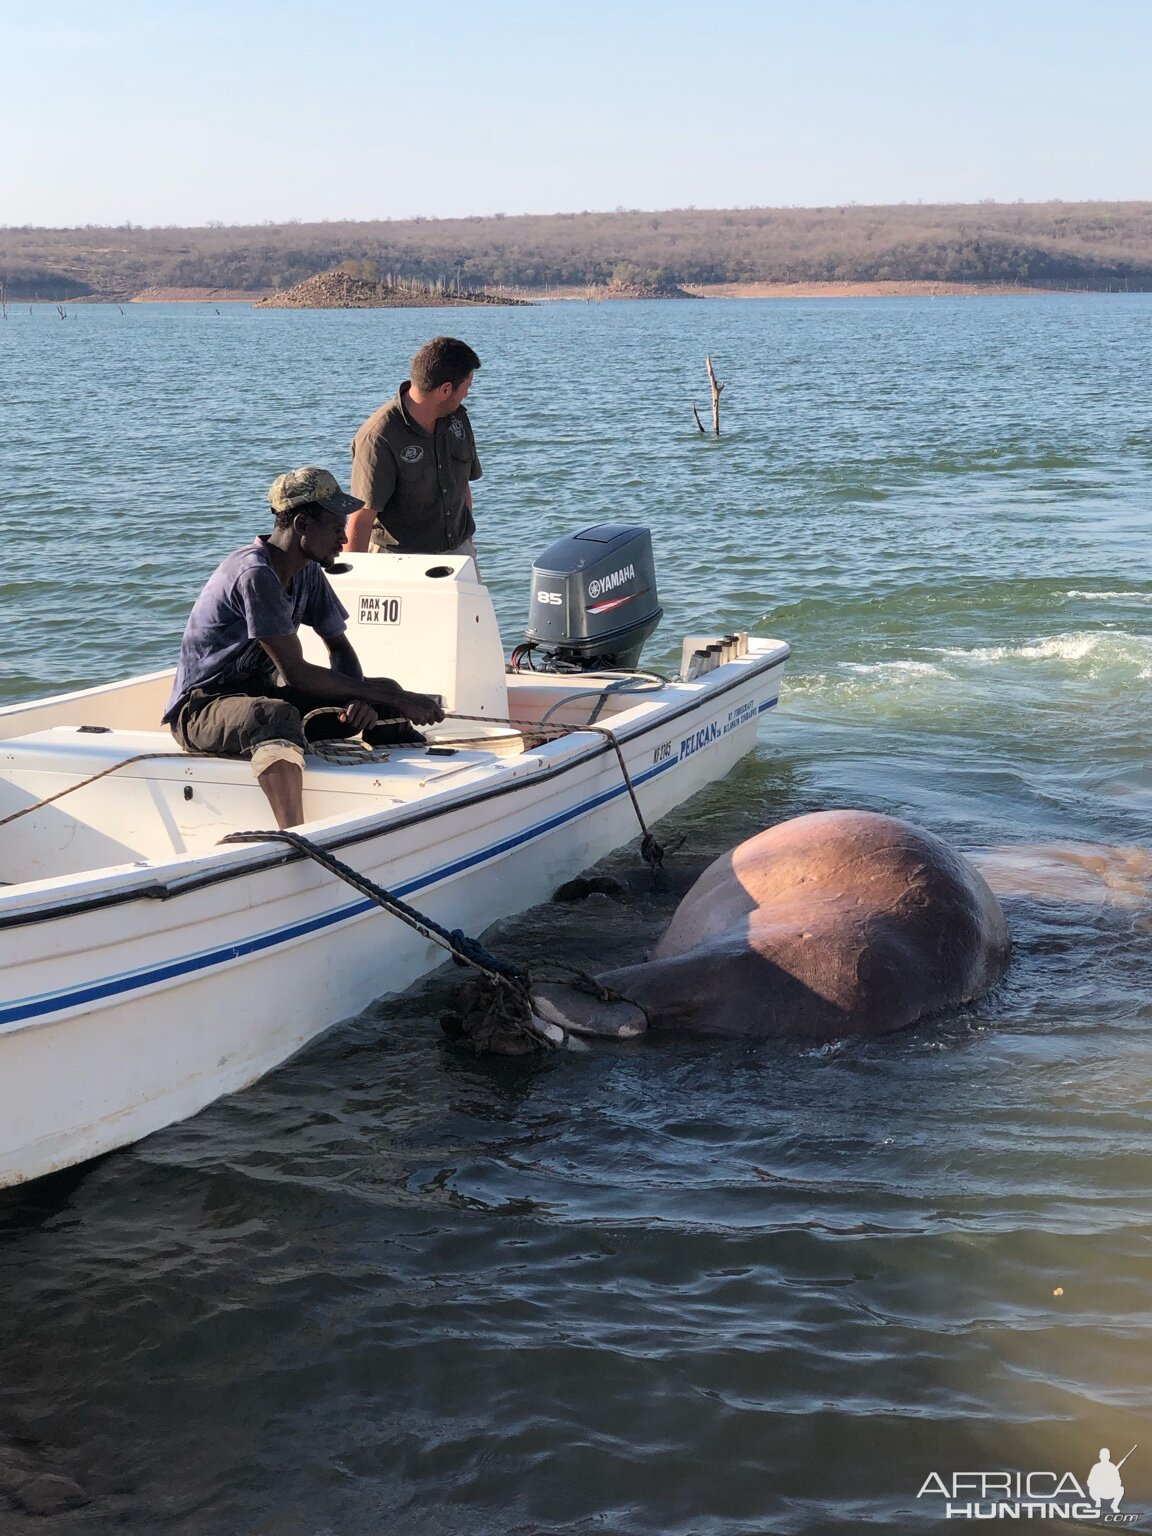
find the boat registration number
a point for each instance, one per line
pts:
(379, 610)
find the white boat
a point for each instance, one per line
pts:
(147, 970)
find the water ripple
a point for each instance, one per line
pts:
(670, 1288)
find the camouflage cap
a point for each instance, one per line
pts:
(300, 486)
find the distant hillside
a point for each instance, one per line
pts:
(1074, 245)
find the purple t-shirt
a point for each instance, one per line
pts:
(244, 602)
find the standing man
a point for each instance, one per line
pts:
(414, 459)
(243, 687)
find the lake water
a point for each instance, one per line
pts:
(674, 1288)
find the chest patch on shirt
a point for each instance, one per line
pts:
(412, 454)
(457, 428)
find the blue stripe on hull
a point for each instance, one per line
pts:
(134, 981)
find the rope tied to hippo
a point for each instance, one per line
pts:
(496, 1014)
(505, 1009)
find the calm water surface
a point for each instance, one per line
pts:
(674, 1288)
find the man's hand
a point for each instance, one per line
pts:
(420, 708)
(359, 715)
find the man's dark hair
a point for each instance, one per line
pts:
(443, 360)
(312, 509)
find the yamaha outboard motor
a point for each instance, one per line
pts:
(594, 600)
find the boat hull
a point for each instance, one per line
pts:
(131, 1005)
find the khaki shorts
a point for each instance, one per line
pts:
(234, 724)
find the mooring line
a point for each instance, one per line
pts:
(511, 981)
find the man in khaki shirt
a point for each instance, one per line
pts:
(414, 459)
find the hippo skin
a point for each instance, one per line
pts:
(834, 924)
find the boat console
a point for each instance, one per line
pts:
(428, 622)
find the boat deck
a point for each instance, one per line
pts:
(171, 803)
(149, 802)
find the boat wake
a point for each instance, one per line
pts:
(1109, 597)
(1092, 653)
(1116, 658)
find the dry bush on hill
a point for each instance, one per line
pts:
(1095, 245)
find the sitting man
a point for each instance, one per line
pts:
(413, 461)
(243, 687)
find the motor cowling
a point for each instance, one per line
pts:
(594, 600)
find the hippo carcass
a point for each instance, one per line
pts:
(837, 923)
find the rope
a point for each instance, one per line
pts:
(651, 851)
(351, 753)
(511, 982)
(627, 682)
(141, 757)
(582, 981)
(347, 751)
(347, 754)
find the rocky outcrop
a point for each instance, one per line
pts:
(641, 290)
(340, 290)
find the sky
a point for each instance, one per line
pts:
(191, 112)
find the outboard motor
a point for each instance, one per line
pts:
(594, 601)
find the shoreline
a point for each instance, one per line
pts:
(896, 288)
(200, 295)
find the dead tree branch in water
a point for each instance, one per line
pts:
(699, 423)
(716, 388)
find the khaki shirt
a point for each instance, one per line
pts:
(416, 480)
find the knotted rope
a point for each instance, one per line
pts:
(504, 1007)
